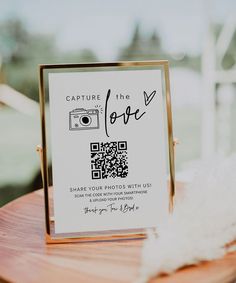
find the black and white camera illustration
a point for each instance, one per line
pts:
(83, 119)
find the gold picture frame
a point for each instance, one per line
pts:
(51, 236)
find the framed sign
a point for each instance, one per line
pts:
(107, 130)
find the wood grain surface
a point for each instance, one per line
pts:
(24, 256)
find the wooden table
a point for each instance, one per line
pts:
(24, 256)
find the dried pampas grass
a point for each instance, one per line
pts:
(203, 222)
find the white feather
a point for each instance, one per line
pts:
(203, 222)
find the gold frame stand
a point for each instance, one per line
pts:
(52, 237)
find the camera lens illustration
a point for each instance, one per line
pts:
(83, 119)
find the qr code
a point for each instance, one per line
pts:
(109, 159)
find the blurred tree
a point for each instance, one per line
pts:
(22, 52)
(13, 41)
(154, 43)
(141, 48)
(150, 48)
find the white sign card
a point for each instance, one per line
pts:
(109, 149)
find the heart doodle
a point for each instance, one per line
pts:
(148, 98)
